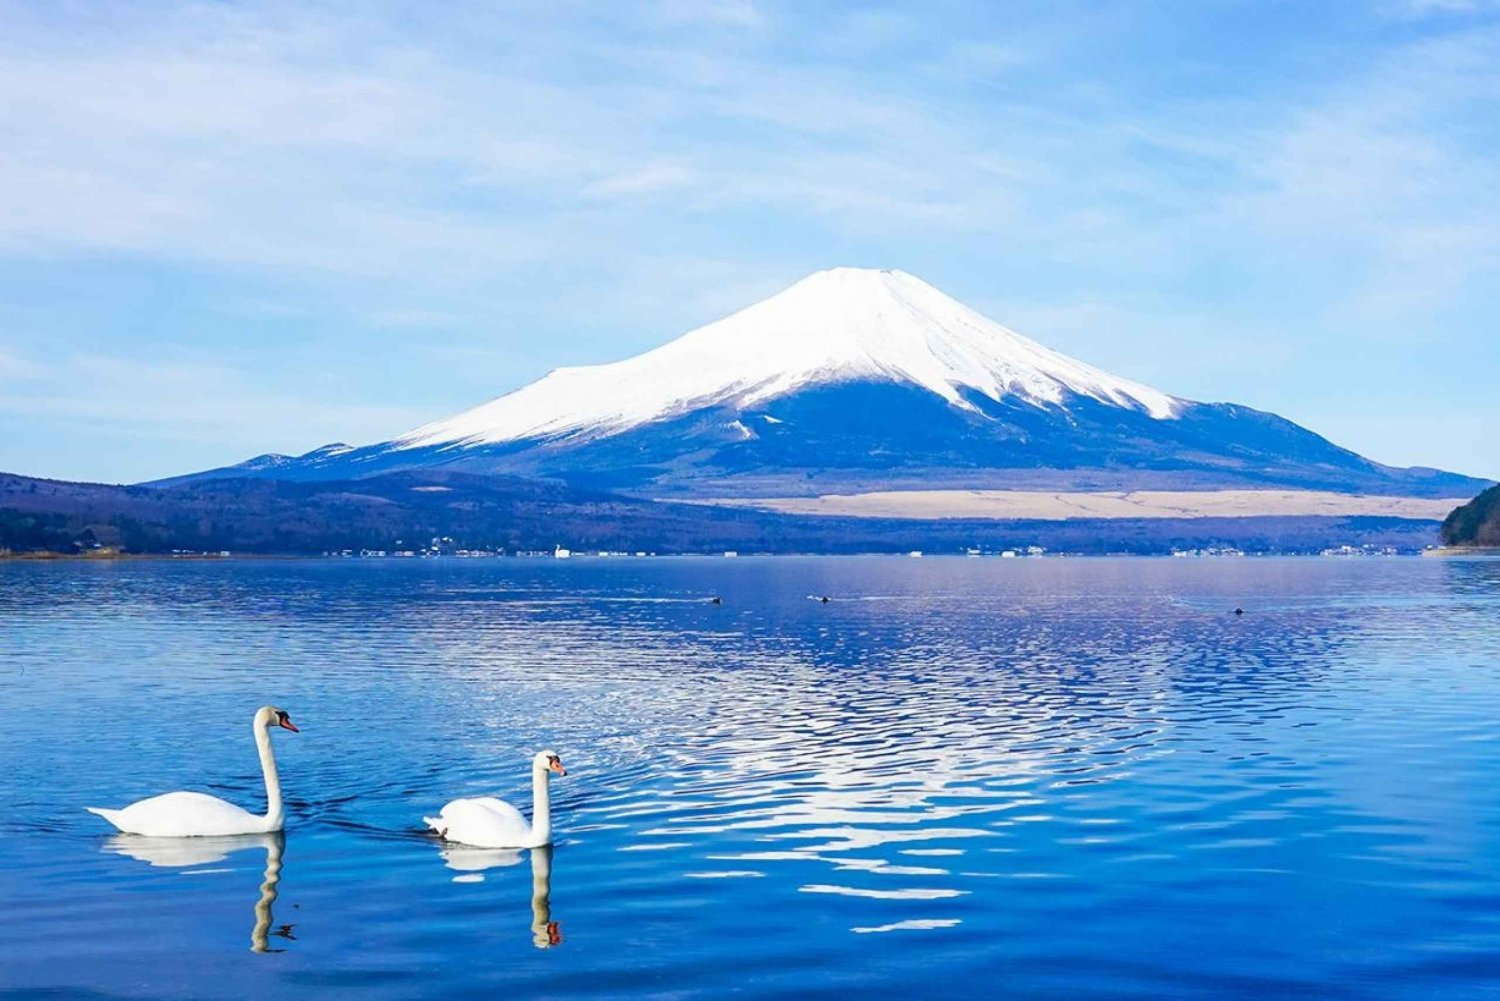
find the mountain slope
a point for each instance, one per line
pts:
(842, 325)
(1476, 523)
(857, 380)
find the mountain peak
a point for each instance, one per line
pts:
(835, 326)
(852, 276)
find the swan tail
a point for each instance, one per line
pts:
(113, 816)
(437, 824)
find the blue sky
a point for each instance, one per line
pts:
(235, 228)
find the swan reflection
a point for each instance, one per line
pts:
(545, 933)
(471, 863)
(182, 853)
(467, 859)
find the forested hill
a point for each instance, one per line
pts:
(1477, 523)
(408, 510)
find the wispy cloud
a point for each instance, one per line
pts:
(1437, 8)
(15, 368)
(652, 179)
(244, 142)
(1380, 179)
(185, 400)
(735, 13)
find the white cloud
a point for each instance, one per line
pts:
(735, 13)
(297, 143)
(1436, 8)
(192, 400)
(651, 179)
(1376, 179)
(14, 367)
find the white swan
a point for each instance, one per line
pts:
(198, 815)
(487, 822)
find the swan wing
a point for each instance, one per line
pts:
(501, 808)
(485, 822)
(183, 815)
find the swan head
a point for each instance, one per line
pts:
(548, 761)
(270, 716)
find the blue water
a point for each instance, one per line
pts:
(1035, 778)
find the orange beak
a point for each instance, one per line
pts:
(287, 723)
(557, 766)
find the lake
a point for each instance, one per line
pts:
(1036, 778)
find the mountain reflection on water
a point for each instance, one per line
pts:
(1069, 777)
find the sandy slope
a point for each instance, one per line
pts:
(1009, 504)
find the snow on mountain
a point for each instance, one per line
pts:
(835, 326)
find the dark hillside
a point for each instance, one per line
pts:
(407, 510)
(1476, 523)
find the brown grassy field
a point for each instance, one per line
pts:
(1059, 506)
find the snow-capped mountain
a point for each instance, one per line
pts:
(838, 326)
(856, 379)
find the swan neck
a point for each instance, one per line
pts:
(541, 808)
(274, 816)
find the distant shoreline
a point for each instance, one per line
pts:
(44, 556)
(55, 557)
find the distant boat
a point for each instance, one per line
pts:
(1009, 554)
(562, 553)
(730, 553)
(915, 554)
